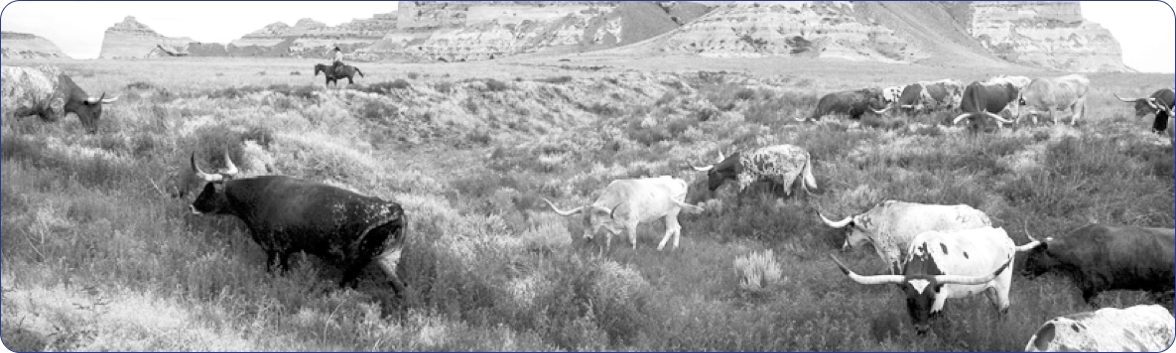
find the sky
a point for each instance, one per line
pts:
(1146, 30)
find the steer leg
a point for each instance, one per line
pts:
(673, 230)
(388, 262)
(351, 274)
(632, 229)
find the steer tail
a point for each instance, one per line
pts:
(688, 207)
(810, 182)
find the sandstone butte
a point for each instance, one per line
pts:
(27, 46)
(1050, 35)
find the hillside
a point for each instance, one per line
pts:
(461, 31)
(27, 46)
(102, 253)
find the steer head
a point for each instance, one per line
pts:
(89, 110)
(857, 230)
(596, 218)
(1143, 106)
(728, 167)
(921, 281)
(212, 199)
(1040, 259)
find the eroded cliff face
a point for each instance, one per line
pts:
(27, 46)
(1052, 35)
(310, 37)
(131, 39)
(461, 31)
(812, 29)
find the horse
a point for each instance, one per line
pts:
(347, 71)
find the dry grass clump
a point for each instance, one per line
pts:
(758, 271)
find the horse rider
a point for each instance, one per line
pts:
(338, 60)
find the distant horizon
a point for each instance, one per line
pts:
(1144, 29)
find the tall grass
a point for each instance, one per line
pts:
(91, 240)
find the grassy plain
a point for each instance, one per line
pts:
(97, 256)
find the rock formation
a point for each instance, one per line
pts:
(810, 29)
(131, 39)
(460, 31)
(1052, 35)
(27, 46)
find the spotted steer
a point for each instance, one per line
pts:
(950, 264)
(780, 164)
(891, 225)
(1141, 328)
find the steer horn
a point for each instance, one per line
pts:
(972, 280)
(837, 224)
(877, 279)
(561, 212)
(1033, 242)
(201, 174)
(230, 168)
(1125, 99)
(883, 111)
(701, 169)
(107, 100)
(1152, 103)
(957, 119)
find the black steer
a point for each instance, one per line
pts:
(1100, 258)
(1159, 103)
(286, 215)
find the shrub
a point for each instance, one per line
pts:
(413, 75)
(556, 80)
(443, 87)
(745, 94)
(385, 87)
(493, 85)
(757, 271)
(140, 85)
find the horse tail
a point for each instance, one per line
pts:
(358, 72)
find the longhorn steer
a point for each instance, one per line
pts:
(1046, 94)
(951, 264)
(1141, 328)
(982, 102)
(928, 95)
(1099, 258)
(1159, 103)
(626, 203)
(891, 225)
(49, 93)
(286, 215)
(852, 103)
(890, 94)
(781, 164)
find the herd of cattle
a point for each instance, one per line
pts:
(933, 252)
(981, 102)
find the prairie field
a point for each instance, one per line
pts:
(100, 251)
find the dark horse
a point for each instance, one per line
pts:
(347, 71)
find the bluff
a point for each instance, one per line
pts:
(822, 29)
(460, 31)
(1052, 35)
(131, 39)
(27, 46)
